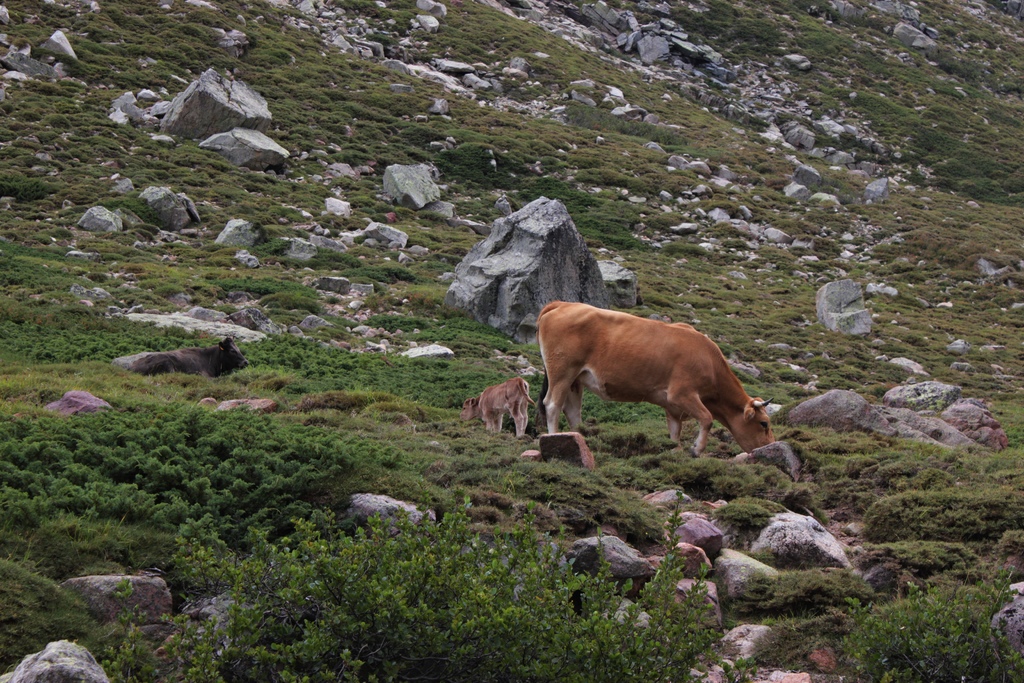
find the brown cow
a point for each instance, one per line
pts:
(508, 397)
(621, 357)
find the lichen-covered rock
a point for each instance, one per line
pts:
(338, 285)
(779, 454)
(254, 319)
(176, 211)
(1010, 622)
(363, 506)
(800, 541)
(60, 662)
(186, 322)
(620, 283)
(625, 562)
(411, 186)
(935, 396)
(239, 233)
(841, 410)
(100, 219)
(840, 307)
(737, 570)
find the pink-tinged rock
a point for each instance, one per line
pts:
(780, 677)
(701, 533)
(714, 615)
(694, 559)
(258, 405)
(86, 303)
(824, 659)
(74, 402)
(531, 455)
(209, 402)
(149, 594)
(569, 447)
(973, 419)
(391, 217)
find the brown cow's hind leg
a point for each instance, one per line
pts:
(574, 406)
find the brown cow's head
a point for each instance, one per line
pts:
(754, 430)
(230, 356)
(470, 408)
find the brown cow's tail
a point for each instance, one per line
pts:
(542, 413)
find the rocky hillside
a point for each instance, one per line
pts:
(830, 191)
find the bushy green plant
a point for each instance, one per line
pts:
(945, 515)
(935, 636)
(801, 593)
(23, 189)
(436, 602)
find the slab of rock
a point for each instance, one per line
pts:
(176, 211)
(338, 285)
(800, 541)
(935, 396)
(386, 235)
(429, 351)
(247, 148)
(234, 42)
(652, 48)
(247, 259)
(207, 314)
(213, 104)
(239, 233)
(910, 425)
(256, 405)
(33, 68)
(840, 307)
(798, 62)
(620, 283)
(702, 533)
(532, 257)
(312, 322)
(799, 136)
(58, 42)
(625, 561)
(568, 447)
(100, 219)
(74, 402)
(842, 411)
(60, 662)
(796, 191)
(960, 347)
(736, 570)
(337, 207)
(807, 176)
(778, 454)
(672, 498)
(911, 366)
(411, 186)
(185, 322)
(363, 506)
(972, 418)
(150, 598)
(695, 560)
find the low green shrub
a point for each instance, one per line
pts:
(23, 189)
(747, 514)
(803, 593)
(35, 612)
(958, 516)
(935, 636)
(435, 602)
(920, 559)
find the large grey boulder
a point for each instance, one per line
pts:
(60, 662)
(778, 454)
(797, 191)
(807, 176)
(842, 411)
(531, 258)
(935, 396)
(386, 235)
(176, 211)
(840, 307)
(238, 233)
(652, 48)
(247, 148)
(256, 320)
(338, 285)
(300, 249)
(877, 191)
(798, 135)
(58, 42)
(911, 425)
(737, 571)
(150, 597)
(100, 219)
(800, 541)
(744, 640)
(411, 186)
(625, 562)
(363, 506)
(429, 351)
(913, 38)
(212, 104)
(620, 283)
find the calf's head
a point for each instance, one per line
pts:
(230, 356)
(470, 408)
(754, 430)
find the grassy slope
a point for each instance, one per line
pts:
(393, 424)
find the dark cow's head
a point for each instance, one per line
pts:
(230, 357)
(755, 430)
(470, 408)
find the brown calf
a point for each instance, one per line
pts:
(508, 397)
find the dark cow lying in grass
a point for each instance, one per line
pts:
(209, 361)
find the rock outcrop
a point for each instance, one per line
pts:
(213, 104)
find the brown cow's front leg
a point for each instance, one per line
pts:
(692, 406)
